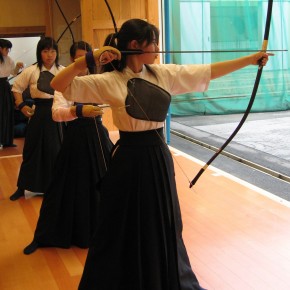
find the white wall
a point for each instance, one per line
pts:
(24, 49)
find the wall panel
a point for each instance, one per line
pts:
(96, 19)
(97, 24)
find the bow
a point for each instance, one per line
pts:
(254, 91)
(112, 16)
(68, 24)
(68, 27)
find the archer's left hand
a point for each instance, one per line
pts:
(260, 58)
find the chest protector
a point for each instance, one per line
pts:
(43, 82)
(147, 101)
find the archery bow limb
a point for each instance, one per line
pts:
(65, 19)
(255, 88)
(69, 25)
(112, 16)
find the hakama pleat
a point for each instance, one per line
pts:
(6, 113)
(42, 144)
(70, 207)
(138, 243)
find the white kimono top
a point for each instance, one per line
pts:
(111, 88)
(29, 77)
(7, 67)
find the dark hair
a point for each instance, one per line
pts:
(46, 43)
(133, 29)
(83, 46)
(79, 45)
(4, 43)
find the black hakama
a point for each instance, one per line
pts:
(138, 243)
(42, 144)
(6, 113)
(69, 210)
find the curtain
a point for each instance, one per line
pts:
(212, 30)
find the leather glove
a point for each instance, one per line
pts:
(91, 111)
(101, 56)
(107, 54)
(87, 111)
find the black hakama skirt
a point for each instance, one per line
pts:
(138, 243)
(6, 113)
(69, 210)
(42, 144)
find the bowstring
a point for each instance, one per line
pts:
(100, 141)
(155, 130)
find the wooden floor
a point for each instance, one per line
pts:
(236, 235)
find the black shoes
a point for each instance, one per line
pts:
(17, 194)
(31, 248)
(4, 146)
(9, 145)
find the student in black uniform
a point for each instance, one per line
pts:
(138, 241)
(43, 135)
(69, 210)
(7, 68)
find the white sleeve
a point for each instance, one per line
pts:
(181, 79)
(86, 89)
(12, 71)
(22, 81)
(61, 108)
